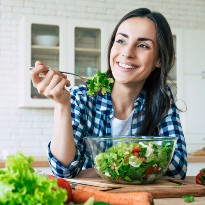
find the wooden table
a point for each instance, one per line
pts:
(164, 201)
(180, 201)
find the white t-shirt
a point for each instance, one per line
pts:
(121, 127)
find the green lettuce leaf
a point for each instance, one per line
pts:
(19, 184)
(99, 83)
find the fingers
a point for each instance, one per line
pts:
(57, 87)
(47, 79)
(35, 72)
(37, 63)
(61, 74)
(52, 84)
(39, 74)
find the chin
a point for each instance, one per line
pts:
(120, 80)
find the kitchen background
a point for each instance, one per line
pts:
(26, 123)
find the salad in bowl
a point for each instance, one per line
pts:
(131, 160)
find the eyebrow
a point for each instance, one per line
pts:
(139, 39)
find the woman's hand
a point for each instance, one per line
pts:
(52, 85)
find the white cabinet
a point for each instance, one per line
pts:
(80, 48)
(194, 88)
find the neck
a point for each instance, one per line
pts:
(123, 98)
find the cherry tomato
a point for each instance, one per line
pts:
(136, 149)
(156, 169)
(200, 178)
(136, 154)
(149, 170)
(51, 176)
(65, 185)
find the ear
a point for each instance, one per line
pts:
(158, 64)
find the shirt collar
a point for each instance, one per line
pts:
(140, 99)
(104, 102)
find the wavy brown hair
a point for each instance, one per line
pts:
(157, 101)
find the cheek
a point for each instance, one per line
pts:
(112, 55)
(150, 61)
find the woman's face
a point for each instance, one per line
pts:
(134, 54)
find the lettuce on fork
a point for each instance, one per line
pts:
(99, 83)
(19, 184)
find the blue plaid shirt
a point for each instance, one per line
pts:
(91, 117)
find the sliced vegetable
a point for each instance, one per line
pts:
(188, 198)
(99, 83)
(200, 178)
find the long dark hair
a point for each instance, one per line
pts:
(157, 101)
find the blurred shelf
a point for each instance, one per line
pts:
(53, 50)
(88, 51)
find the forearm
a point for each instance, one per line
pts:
(62, 142)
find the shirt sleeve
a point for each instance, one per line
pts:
(171, 126)
(61, 171)
(78, 122)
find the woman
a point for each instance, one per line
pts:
(140, 56)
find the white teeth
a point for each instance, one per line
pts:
(126, 66)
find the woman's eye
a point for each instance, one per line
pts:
(120, 41)
(141, 45)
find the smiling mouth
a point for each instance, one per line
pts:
(126, 66)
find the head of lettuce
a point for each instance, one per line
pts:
(19, 184)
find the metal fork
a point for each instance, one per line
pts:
(68, 73)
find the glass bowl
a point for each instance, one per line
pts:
(131, 160)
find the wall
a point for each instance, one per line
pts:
(29, 130)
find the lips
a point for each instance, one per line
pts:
(127, 66)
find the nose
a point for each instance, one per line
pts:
(128, 52)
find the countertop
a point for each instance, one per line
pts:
(196, 159)
(180, 201)
(43, 161)
(38, 162)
